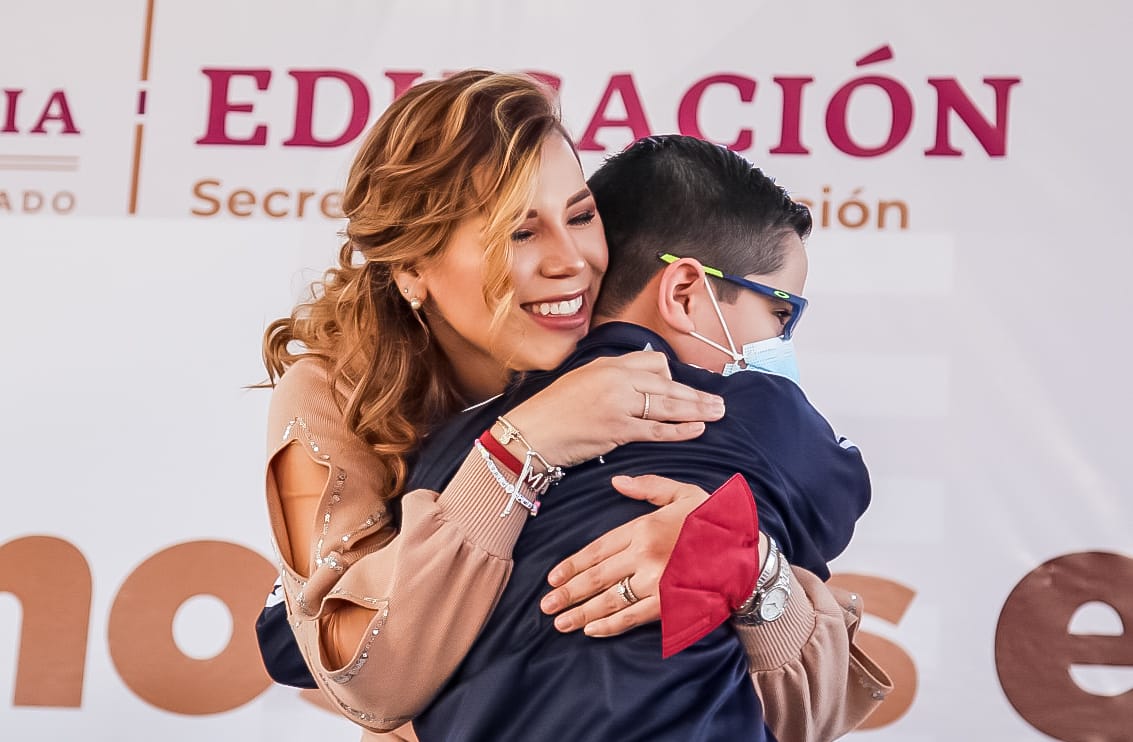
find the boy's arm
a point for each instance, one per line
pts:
(278, 648)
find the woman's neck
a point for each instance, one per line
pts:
(477, 374)
(481, 384)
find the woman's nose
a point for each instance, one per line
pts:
(561, 257)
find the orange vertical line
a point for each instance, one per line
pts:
(137, 168)
(146, 41)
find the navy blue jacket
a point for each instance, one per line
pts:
(524, 680)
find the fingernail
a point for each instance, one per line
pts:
(550, 604)
(555, 577)
(562, 623)
(588, 630)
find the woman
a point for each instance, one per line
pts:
(473, 250)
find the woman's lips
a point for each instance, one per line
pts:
(560, 314)
(556, 308)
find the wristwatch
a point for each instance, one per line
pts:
(772, 590)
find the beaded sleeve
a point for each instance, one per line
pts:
(423, 595)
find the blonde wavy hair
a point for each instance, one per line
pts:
(445, 151)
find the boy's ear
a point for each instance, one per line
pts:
(679, 294)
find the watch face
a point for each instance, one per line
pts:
(773, 604)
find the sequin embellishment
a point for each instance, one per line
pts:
(348, 674)
(330, 560)
(308, 438)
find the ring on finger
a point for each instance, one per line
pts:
(645, 410)
(625, 592)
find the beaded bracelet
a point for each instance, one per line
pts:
(512, 490)
(538, 482)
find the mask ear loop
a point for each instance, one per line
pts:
(736, 357)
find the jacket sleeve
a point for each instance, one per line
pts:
(278, 649)
(815, 683)
(382, 611)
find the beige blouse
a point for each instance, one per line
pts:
(384, 615)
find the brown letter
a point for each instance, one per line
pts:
(241, 203)
(1034, 649)
(141, 627)
(51, 579)
(888, 600)
(199, 192)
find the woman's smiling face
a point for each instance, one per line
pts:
(559, 257)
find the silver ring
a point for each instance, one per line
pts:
(625, 592)
(645, 410)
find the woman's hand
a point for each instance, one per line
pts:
(600, 406)
(639, 550)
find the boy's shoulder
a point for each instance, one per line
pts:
(745, 388)
(763, 404)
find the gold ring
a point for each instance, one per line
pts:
(625, 591)
(645, 410)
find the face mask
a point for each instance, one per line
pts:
(772, 356)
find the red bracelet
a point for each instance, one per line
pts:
(501, 454)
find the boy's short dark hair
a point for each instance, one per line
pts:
(694, 199)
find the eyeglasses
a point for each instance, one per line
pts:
(798, 303)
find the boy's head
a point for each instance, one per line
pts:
(709, 212)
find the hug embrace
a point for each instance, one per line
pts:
(496, 424)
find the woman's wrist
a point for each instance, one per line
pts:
(500, 452)
(514, 437)
(509, 445)
(768, 600)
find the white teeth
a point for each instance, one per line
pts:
(559, 308)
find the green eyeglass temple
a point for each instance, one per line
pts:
(798, 303)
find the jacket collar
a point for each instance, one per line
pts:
(622, 336)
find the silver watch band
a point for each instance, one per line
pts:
(768, 601)
(770, 566)
(766, 575)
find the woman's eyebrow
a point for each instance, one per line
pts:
(581, 195)
(584, 193)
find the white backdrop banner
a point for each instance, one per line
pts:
(169, 183)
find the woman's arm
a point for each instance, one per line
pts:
(383, 616)
(381, 621)
(816, 684)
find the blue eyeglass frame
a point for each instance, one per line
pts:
(798, 303)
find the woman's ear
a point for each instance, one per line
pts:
(680, 293)
(412, 285)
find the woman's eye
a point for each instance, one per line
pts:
(522, 235)
(784, 316)
(582, 219)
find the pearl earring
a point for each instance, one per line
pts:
(414, 303)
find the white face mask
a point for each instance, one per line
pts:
(772, 356)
